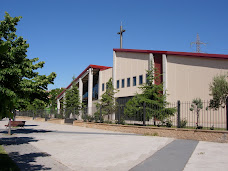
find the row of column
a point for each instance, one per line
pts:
(90, 91)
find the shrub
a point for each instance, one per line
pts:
(169, 123)
(183, 123)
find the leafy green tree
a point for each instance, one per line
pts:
(52, 97)
(72, 97)
(154, 99)
(19, 83)
(219, 91)
(107, 103)
(196, 106)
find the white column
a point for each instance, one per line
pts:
(99, 85)
(58, 104)
(151, 62)
(114, 79)
(114, 70)
(80, 89)
(164, 74)
(90, 91)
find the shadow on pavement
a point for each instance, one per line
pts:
(25, 131)
(16, 140)
(24, 161)
(30, 125)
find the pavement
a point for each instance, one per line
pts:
(48, 146)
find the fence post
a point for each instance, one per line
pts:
(100, 113)
(119, 114)
(144, 114)
(178, 114)
(227, 113)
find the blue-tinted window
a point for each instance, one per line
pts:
(103, 87)
(128, 82)
(140, 79)
(134, 81)
(122, 83)
(118, 84)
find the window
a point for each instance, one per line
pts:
(140, 79)
(106, 86)
(118, 84)
(103, 87)
(134, 81)
(122, 83)
(128, 82)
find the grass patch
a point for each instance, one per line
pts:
(6, 163)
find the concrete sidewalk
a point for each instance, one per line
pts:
(79, 148)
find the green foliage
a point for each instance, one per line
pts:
(20, 85)
(153, 98)
(72, 97)
(183, 123)
(52, 97)
(219, 91)
(196, 106)
(6, 163)
(107, 102)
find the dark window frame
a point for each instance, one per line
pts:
(128, 82)
(103, 86)
(140, 79)
(123, 83)
(118, 84)
(134, 81)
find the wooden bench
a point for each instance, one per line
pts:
(16, 124)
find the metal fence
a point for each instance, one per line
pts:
(144, 114)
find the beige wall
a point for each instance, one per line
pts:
(105, 76)
(130, 65)
(189, 77)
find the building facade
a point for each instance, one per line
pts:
(184, 75)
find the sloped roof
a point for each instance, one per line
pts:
(101, 68)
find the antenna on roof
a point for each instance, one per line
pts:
(121, 34)
(198, 43)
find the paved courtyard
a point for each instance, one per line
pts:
(48, 146)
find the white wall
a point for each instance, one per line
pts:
(189, 77)
(130, 65)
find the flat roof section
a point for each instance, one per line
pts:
(204, 55)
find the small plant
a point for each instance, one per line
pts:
(90, 118)
(196, 106)
(212, 127)
(169, 123)
(84, 118)
(155, 134)
(183, 123)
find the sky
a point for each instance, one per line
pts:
(69, 35)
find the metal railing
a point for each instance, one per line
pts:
(146, 115)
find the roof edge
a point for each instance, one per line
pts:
(207, 55)
(102, 68)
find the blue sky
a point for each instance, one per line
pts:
(71, 34)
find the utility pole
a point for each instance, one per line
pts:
(121, 35)
(198, 43)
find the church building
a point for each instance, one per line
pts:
(184, 75)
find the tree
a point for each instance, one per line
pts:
(152, 96)
(196, 106)
(72, 97)
(219, 91)
(52, 97)
(19, 83)
(107, 103)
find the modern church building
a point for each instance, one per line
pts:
(184, 75)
